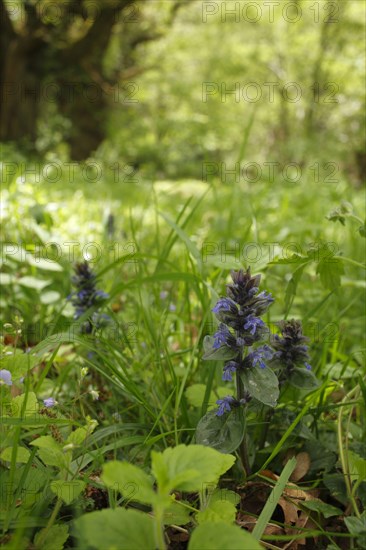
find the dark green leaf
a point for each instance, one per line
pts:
(303, 378)
(261, 384)
(224, 433)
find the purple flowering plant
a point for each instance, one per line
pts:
(87, 296)
(258, 369)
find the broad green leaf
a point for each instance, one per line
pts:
(54, 540)
(117, 529)
(44, 264)
(224, 433)
(50, 297)
(31, 406)
(22, 454)
(7, 279)
(330, 271)
(50, 452)
(212, 354)
(220, 536)
(357, 528)
(177, 514)
(33, 282)
(78, 436)
(225, 495)
(303, 378)
(357, 466)
(129, 480)
(217, 511)
(327, 510)
(67, 490)
(18, 363)
(261, 384)
(196, 393)
(189, 468)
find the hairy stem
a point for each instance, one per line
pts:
(243, 448)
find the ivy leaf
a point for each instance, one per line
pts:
(224, 433)
(261, 384)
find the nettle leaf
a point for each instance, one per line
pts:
(327, 510)
(118, 529)
(129, 480)
(188, 468)
(330, 271)
(212, 354)
(217, 511)
(216, 536)
(223, 433)
(303, 378)
(68, 491)
(55, 538)
(261, 384)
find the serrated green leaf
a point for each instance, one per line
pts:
(50, 452)
(330, 271)
(177, 514)
(188, 468)
(68, 491)
(54, 540)
(18, 363)
(217, 511)
(129, 480)
(117, 529)
(22, 454)
(26, 405)
(219, 536)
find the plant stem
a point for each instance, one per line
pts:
(50, 522)
(243, 448)
(343, 451)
